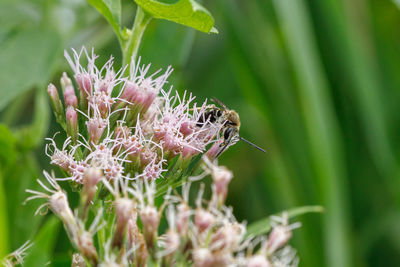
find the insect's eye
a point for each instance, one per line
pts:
(219, 113)
(227, 133)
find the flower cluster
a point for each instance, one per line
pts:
(133, 150)
(124, 125)
(200, 232)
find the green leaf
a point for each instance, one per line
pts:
(111, 11)
(3, 221)
(16, 178)
(43, 245)
(8, 151)
(31, 136)
(26, 59)
(263, 226)
(185, 12)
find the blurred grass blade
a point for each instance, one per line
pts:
(324, 135)
(263, 226)
(41, 252)
(3, 221)
(354, 43)
(30, 136)
(185, 12)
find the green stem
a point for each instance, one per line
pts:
(131, 47)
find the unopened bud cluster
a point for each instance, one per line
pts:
(133, 149)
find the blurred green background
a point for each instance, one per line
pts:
(316, 83)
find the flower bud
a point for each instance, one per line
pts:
(182, 218)
(91, 177)
(70, 98)
(142, 252)
(278, 237)
(203, 220)
(78, 260)
(150, 220)
(72, 122)
(65, 81)
(188, 152)
(221, 178)
(95, 127)
(124, 208)
(214, 150)
(87, 248)
(84, 82)
(202, 257)
(257, 261)
(187, 127)
(60, 206)
(228, 237)
(55, 102)
(130, 91)
(172, 241)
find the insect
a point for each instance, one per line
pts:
(230, 124)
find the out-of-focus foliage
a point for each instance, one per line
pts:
(316, 83)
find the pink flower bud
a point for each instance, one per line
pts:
(213, 151)
(104, 86)
(221, 178)
(202, 257)
(95, 127)
(124, 208)
(86, 247)
(228, 237)
(257, 261)
(71, 100)
(65, 81)
(279, 236)
(60, 206)
(146, 156)
(130, 91)
(150, 220)
(72, 122)
(91, 178)
(203, 220)
(172, 241)
(55, 101)
(141, 252)
(148, 99)
(84, 82)
(187, 127)
(189, 152)
(182, 218)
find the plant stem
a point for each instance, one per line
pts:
(131, 47)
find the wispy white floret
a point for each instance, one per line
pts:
(17, 257)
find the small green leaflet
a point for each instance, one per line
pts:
(263, 226)
(185, 12)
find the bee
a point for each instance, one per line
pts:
(230, 121)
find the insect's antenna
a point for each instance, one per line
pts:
(253, 145)
(219, 103)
